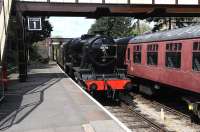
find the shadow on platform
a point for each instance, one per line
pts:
(22, 98)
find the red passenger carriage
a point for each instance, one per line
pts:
(170, 58)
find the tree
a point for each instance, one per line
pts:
(33, 37)
(168, 23)
(36, 36)
(112, 26)
(140, 27)
(30, 38)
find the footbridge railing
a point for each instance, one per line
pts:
(173, 2)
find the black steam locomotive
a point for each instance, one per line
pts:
(92, 60)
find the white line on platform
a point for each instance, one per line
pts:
(101, 106)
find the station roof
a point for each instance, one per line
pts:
(175, 34)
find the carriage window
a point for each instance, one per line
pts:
(152, 54)
(196, 56)
(128, 54)
(173, 55)
(137, 54)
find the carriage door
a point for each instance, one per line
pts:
(128, 61)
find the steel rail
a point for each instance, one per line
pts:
(171, 110)
(166, 108)
(151, 123)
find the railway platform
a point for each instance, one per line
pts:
(51, 102)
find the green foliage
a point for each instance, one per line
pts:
(30, 39)
(119, 27)
(34, 56)
(35, 36)
(112, 26)
(140, 28)
(31, 36)
(163, 23)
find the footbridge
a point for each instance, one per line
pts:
(98, 8)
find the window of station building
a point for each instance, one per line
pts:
(152, 54)
(173, 55)
(196, 56)
(137, 54)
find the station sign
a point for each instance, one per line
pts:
(34, 23)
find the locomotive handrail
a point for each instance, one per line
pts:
(106, 75)
(108, 57)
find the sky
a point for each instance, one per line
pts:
(76, 26)
(70, 26)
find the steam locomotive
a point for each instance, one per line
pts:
(93, 62)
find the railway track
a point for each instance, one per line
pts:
(137, 121)
(173, 119)
(167, 110)
(133, 119)
(158, 106)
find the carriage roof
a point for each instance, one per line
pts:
(175, 34)
(124, 40)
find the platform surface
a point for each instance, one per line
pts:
(50, 102)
